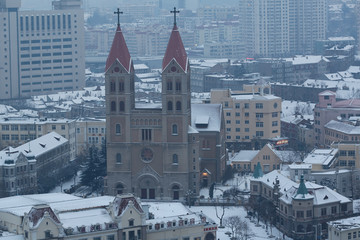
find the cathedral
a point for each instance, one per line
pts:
(153, 150)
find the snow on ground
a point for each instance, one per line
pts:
(289, 108)
(67, 184)
(258, 233)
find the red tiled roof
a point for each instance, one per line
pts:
(120, 51)
(38, 213)
(122, 203)
(175, 50)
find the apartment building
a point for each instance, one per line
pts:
(21, 166)
(89, 131)
(327, 109)
(348, 228)
(17, 131)
(43, 51)
(249, 117)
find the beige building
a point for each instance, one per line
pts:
(124, 217)
(249, 117)
(89, 131)
(17, 131)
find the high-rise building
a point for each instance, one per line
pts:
(282, 27)
(42, 51)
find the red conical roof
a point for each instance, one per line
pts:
(120, 51)
(175, 50)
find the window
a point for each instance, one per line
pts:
(175, 159)
(274, 123)
(237, 114)
(226, 104)
(274, 114)
(259, 115)
(259, 105)
(246, 105)
(333, 209)
(351, 153)
(53, 127)
(237, 129)
(178, 105)
(309, 213)
(170, 106)
(118, 158)
(113, 106)
(112, 86)
(323, 211)
(62, 127)
(259, 133)
(178, 86)
(110, 237)
(131, 222)
(117, 129)
(169, 86)
(342, 153)
(237, 105)
(121, 86)
(174, 129)
(247, 130)
(300, 214)
(228, 114)
(247, 122)
(122, 106)
(259, 124)
(146, 134)
(247, 114)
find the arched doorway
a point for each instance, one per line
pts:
(147, 186)
(209, 236)
(175, 190)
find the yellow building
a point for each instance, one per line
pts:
(249, 117)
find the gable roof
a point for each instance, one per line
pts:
(119, 51)
(175, 50)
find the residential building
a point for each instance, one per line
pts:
(249, 117)
(89, 132)
(304, 208)
(327, 109)
(19, 130)
(23, 165)
(58, 215)
(336, 131)
(348, 228)
(43, 51)
(321, 159)
(152, 149)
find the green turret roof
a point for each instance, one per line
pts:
(258, 171)
(302, 190)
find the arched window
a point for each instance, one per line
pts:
(119, 188)
(178, 105)
(175, 159)
(118, 158)
(122, 106)
(117, 129)
(169, 106)
(113, 106)
(174, 129)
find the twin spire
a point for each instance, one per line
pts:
(175, 49)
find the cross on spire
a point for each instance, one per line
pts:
(174, 12)
(118, 15)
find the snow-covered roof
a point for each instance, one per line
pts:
(343, 127)
(302, 166)
(206, 117)
(270, 178)
(346, 224)
(309, 59)
(243, 156)
(321, 156)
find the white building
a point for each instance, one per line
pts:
(63, 216)
(348, 228)
(42, 51)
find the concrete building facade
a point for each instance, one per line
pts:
(43, 51)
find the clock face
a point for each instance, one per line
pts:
(147, 154)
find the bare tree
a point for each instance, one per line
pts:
(234, 224)
(245, 231)
(220, 211)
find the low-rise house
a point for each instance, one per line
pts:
(321, 159)
(62, 216)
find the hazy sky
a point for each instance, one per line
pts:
(191, 4)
